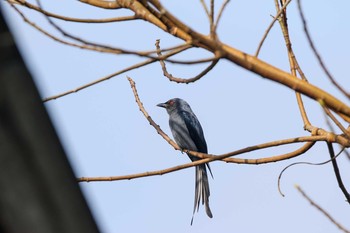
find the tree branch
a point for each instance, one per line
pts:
(270, 27)
(321, 209)
(318, 56)
(302, 163)
(182, 80)
(77, 20)
(167, 22)
(141, 64)
(337, 173)
(221, 11)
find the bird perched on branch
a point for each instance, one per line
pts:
(188, 134)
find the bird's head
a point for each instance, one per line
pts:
(174, 105)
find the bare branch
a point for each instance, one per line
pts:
(48, 34)
(335, 120)
(158, 172)
(103, 4)
(302, 163)
(182, 80)
(340, 139)
(292, 59)
(103, 48)
(211, 19)
(143, 174)
(205, 8)
(270, 26)
(87, 45)
(171, 24)
(77, 20)
(141, 64)
(311, 43)
(221, 11)
(337, 173)
(321, 210)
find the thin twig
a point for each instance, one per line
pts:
(182, 80)
(138, 65)
(50, 35)
(337, 173)
(328, 122)
(321, 210)
(205, 9)
(292, 59)
(88, 45)
(221, 11)
(318, 56)
(335, 120)
(270, 27)
(107, 49)
(301, 163)
(211, 19)
(77, 20)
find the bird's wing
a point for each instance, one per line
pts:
(195, 131)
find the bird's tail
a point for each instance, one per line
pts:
(202, 190)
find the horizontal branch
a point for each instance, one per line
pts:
(77, 20)
(103, 4)
(206, 159)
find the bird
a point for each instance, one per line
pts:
(188, 134)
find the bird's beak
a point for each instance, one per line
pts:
(162, 105)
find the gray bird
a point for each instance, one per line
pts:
(188, 134)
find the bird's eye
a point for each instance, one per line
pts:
(171, 102)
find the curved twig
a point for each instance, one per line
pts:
(301, 163)
(182, 80)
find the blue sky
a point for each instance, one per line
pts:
(105, 134)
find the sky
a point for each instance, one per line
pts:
(104, 133)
